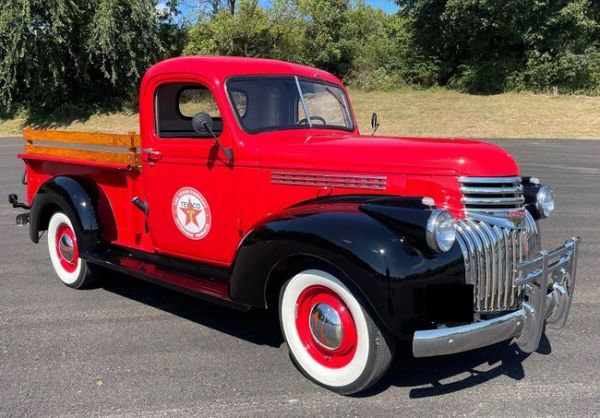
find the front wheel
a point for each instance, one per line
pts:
(331, 337)
(64, 253)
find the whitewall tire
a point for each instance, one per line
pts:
(64, 253)
(331, 337)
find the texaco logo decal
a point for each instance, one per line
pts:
(191, 213)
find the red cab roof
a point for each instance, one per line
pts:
(219, 69)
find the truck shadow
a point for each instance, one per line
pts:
(425, 377)
(435, 376)
(255, 326)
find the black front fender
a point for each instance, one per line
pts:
(68, 195)
(379, 252)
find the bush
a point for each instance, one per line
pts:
(486, 46)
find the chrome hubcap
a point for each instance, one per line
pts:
(65, 246)
(326, 326)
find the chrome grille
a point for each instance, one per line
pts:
(492, 194)
(491, 251)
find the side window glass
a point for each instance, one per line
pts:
(178, 103)
(194, 100)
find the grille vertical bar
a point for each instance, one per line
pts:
(491, 253)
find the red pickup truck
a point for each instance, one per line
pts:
(250, 185)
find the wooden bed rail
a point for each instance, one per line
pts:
(124, 147)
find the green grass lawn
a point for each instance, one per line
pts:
(435, 112)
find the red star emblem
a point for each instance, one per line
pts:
(190, 213)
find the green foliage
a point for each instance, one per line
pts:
(373, 65)
(488, 46)
(385, 57)
(54, 52)
(572, 72)
(91, 54)
(355, 41)
(327, 40)
(37, 48)
(478, 46)
(122, 48)
(251, 31)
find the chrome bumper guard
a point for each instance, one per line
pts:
(548, 280)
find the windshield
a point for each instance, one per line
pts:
(275, 103)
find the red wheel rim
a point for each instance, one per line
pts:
(66, 248)
(329, 352)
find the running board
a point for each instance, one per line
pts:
(205, 282)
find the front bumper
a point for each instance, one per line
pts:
(549, 282)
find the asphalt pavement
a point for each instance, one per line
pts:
(133, 349)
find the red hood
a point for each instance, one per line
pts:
(332, 151)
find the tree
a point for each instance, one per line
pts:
(251, 31)
(54, 52)
(39, 49)
(171, 32)
(122, 40)
(215, 6)
(326, 43)
(491, 46)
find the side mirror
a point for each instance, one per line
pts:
(374, 123)
(202, 123)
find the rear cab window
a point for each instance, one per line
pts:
(178, 103)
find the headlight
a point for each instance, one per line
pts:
(545, 201)
(440, 232)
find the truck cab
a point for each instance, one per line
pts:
(250, 185)
(259, 116)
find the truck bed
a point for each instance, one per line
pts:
(107, 164)
(84, 147)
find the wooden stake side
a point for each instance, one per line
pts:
(129, 142)
(84, 155)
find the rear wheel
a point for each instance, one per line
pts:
(64, 253)
(331, 337)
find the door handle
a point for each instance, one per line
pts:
(151, 154)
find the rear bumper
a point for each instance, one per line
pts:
(549, 270)
(22, 218)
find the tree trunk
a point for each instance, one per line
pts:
(231, 6)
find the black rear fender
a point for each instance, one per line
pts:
(67, 195)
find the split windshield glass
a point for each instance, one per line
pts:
(270, 103)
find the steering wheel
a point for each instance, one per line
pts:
(304, 121)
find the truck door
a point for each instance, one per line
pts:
(188, 181)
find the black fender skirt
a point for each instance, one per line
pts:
(74, 200)
(377, 244)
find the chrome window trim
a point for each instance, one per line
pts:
(303, 102)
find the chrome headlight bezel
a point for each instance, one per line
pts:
(544, 201)
(441, 231)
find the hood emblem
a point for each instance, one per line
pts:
(516, 215)
(511, 220)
